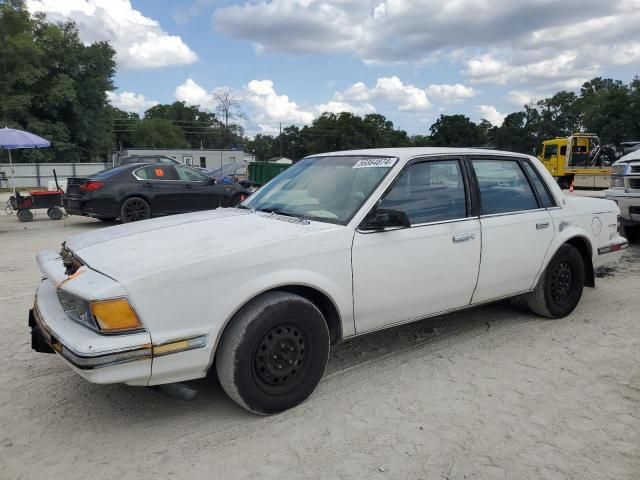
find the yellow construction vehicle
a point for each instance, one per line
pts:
(578, 158)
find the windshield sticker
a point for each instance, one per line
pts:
(375, 163)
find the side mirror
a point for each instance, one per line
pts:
(212, 181)
(382, 218)
(245, 183)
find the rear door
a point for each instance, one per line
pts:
(517, 229)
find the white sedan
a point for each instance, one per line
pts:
(338, 245)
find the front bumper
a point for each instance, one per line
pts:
(629, 204)
(98, 358)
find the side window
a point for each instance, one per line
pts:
(550, 151)
(546, 200)
(503, 187)
(187, 174)
(157, 172)
(563, 150)
(429, 192)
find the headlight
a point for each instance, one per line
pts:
(617, 182)
(619, 169)
(108, 316)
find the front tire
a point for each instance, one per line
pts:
(560, 288)
(134, 209)
(273, 353)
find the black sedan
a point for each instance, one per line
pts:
(139, 191)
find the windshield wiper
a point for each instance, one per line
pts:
(243, 207)
(277, 211)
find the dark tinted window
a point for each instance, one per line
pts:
(156, 172)
(563, 150)
(550, 151)
(141, 159)
(503, 187)
(544, 196)
(429, 192)
(109, 172)
(187, 174)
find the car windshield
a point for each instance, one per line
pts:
(329, 188)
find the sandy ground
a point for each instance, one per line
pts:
(491, 393)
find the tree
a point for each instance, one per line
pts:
(54, 85)
(456, 131)
(227, 105)
(158, 133)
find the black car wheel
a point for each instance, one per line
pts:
(134, 209)
(560, 287)
(273, 353)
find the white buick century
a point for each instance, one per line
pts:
(340, 244)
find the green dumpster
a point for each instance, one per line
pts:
(262, 172)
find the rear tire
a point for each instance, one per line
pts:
(273, 353)
(560, 288)
(25, 215)
(134, 209)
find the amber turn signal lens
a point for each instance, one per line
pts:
(115, 315)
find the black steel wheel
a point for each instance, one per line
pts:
(279, 359)
(560, 287)
(134, 209)
(25, 215)
(273, 353)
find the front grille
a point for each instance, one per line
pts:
(69, 260)
(634, 183)
(635, 168)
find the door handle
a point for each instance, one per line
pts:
(541, 225)
(148, 184)
(187, 186)
(463, 237)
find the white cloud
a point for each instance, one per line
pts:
(520, 98)
(450, 93)
(193, 94)
(130, 102)
(271, 107)
(333, 106)
(139, 41)
(489, 112)
(536, 43)
(407, 98)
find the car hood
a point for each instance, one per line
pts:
(135, 250)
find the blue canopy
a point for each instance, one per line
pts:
(12, 138)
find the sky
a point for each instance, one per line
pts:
(287, 61)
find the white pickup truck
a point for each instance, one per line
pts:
(340, 244)
(625, 191)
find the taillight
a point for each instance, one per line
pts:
(91, 186)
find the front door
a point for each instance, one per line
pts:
(405, 274)
(197, 191)
(517, 230)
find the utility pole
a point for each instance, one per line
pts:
(280, 137)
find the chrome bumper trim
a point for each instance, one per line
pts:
(90, 362)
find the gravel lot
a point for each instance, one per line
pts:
(491, 393)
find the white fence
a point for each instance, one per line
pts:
(32, 175)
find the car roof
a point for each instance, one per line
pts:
(411, 152)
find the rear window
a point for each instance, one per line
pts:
(546, 200)
(109, 172)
